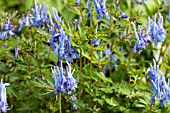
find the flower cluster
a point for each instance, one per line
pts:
(154, 33)
(160, 88)
(101, 9)
(61, 41)
(6, 29)
(64, 81)
(38, 17)
(3, 99)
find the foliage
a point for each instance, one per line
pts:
(110, 77)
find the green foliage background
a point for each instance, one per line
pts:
(124, 89)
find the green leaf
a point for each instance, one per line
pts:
(102, 76)
(111, 101)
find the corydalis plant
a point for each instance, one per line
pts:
(160, 88)
(154, 33)
(39, 15)
(157, 31)
(61, 41)
(64, 81)
(141, 41)
(3, 98)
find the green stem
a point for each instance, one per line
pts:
(151, 108)
(60, 102)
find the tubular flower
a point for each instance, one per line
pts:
(139, 2)
(61, 41)
(89, 10)
(3, 98)
(16, 52)
(78, 2)
(113, 58)
(157, 31)
(101, 9)
(160, 88)
(59, 86)
(6, 30)
(64, 81)
(140, 41)
(71, 82)
(24, 21)
(122, 15)
(95, 42)
(39, 15)
(77, 22)
(73, 99)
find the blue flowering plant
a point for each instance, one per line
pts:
(85, 56)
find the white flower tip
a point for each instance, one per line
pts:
(6, 84)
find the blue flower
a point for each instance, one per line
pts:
(56, 16)
(71, 82)
(16, 52)
(77, 22)
(60, 80)
(169, 16)
(108, 52)
(56, 79)
(5, 45)
(157, 32)
(24, 21)
(64, 82)
(122, 15)
(89, 10)
(161, 103)
(95, 42)
(3, 98)
(78, 2)
(139, 2)
(160, 88)
(62, 47)
(101, 9)
(74, 105)
(36, 17)
(141, 42)
(39, 15)
(7, 30)
(152, 101)
(73, 99)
